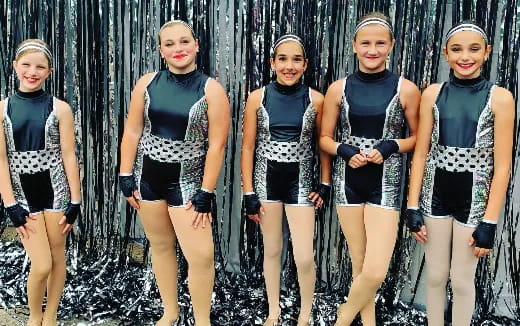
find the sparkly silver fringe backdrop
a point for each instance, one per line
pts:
(102, 47)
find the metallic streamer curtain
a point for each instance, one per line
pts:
(102, 47)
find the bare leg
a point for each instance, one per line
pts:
(271, 225)
(37, 247)
(301, 225)
(437, 254)
(353, 226)
(463, 267)
(381, 231)
(197, 246)
(56, 279)
(159, 231)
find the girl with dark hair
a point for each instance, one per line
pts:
(460, 173)
(281, 124)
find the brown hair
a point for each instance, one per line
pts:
(175, 22)
(376, 15)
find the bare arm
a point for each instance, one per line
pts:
(410, 99)
(249, 139)
(329, 117)
(503, 106)
(134, 125)
(68, 153)
(422, 146)
(6, 188)
(219, 120)
(325, 159)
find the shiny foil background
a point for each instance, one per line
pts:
(100, 50)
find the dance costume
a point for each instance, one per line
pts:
(34, 152)
(459, 166)
(370, 112)
(285, 145)
(172, 150)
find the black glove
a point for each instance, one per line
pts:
(484, 235)
(252, 204)
(17, 214)
(323, 190)
(72, 212)
(387, 148)
(347, 151)
(127, 185)
(414, 219)
(202, 201)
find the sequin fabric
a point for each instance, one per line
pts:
(393, 166)
(30, 162)
(302, 152)
(191, 152)
(478, 160)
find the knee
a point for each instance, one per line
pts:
(463, 286)
(304, 264)
(202, 258)
(272, 251)
(374, 277)
(436, 278)
(357, 266)
(42, 269)
(160, 247)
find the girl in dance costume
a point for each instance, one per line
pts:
(461, 162)
(171, 154)
(371, 109)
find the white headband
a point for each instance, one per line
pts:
(34, 46)
(178, 21)
(467, 27)
(374, 20)
(287, 38)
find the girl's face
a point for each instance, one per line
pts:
(178, 48)
(289, 63)
(466, 52)
(32, 69)
(372, 45)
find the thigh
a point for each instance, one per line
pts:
(194, 242)
(156, 221)
(381, 230)
(438, 244)
(301, 226)
(37, 246)
(353, 227)
(463, 261)
(271, 222)
(54, 230)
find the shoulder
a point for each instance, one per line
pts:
(2, 103)
(431, 92)
(62, 107)
(317, 98)
(144, 81)
(502, 100)
(214, 88)
(255, 97)
(336, 87)
(408, 88)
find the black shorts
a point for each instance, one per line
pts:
(282, 182)
(38, 191)
(452, 195)
(160, 181)
(364, 185)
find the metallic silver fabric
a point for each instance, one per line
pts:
(392, 180)
(477, 160)
(301, 151)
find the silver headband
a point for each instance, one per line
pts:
(178, 21)
(34, 46)
(287, 38)
(467, 27)
(374, 20)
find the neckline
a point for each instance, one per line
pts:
(28, 95)
(468, 81)
(182, 78)
(288, 89)
(373, 77)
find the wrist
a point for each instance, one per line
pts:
(206, 190)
